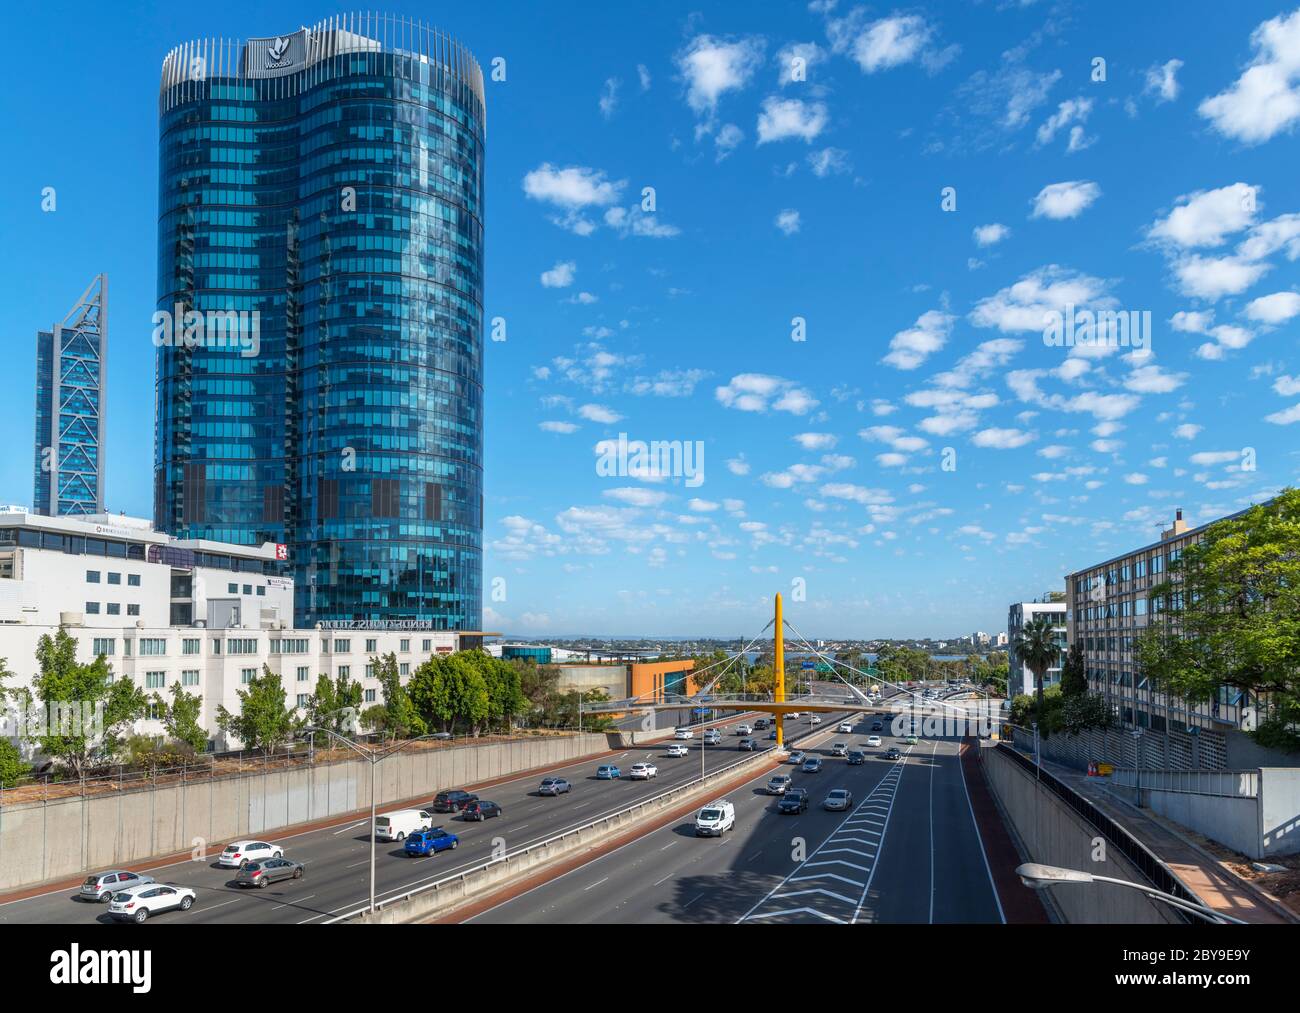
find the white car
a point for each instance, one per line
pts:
(239, 852)
(683, 733)
(874, 740)
(715, 819)
(712, 737)
(814, 720)
(846, 727)
(744, 729)
(792, 715)
(677, 749)
(643, 771)
(136, 903)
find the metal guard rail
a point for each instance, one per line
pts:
(1152, 868)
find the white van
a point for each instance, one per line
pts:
(715, 819)
(398, 826)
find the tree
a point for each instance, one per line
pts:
(181, 717)
(263, 721)
(396, 716)
(1229, 617)
(1074, 673)
(90, 691)
(12, 766)
(336, 704)
(1036, 646)
(448, 690)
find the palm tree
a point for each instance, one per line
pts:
(1036, 647)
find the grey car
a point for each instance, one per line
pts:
(100, 887)
(265, 871)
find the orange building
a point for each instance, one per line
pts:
(653, 679)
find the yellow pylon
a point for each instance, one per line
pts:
(779, 695)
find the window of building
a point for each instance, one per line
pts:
(247, 675)
(342, 646)
(155, 680)
(190, 677)
(132, 580)
(232, 589)
(241, 645)
(302, 673)
(404, 646)
(153, 711)
(248, 589)
(372, 646)
(113, 608)
(370, 696)
(92, 576)
(1140, 568)
(133, 610)
(404, 668)
(153, 646)
(370, 671)
(104, 645)
(92, 608)
(126, 647)
(428, 645)
(114, 578)
(345, 671)
(304, 700)
(216, 646)
(190, 645)
(261, 591)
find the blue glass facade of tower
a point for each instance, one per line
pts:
(328, 186)
(71, 409)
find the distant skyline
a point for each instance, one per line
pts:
(798, 308)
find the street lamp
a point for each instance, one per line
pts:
(1040, 877)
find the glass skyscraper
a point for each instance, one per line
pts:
(68, 466)
(320, 312)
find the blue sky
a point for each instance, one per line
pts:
(1169, 187)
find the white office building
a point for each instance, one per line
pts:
(1020, 678)
(207, 615)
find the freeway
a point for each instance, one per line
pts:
(909, 851)
(337, 857)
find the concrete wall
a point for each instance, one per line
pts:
(1055, 835)
(1230, 821)
(46, 841)
(1279, 820)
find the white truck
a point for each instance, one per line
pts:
(715, 819)
(399, 825)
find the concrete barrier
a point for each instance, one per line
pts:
(1053, 834)
(48, 841)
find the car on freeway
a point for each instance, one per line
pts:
(607, 772)
(481, 810)
(812, 765)
(873, 740)
(715, 819)
(136, 903)
(877, 726)
(797, 756)
(712, 737)
(452, 801)
(772, 734)
(430, 842)
(779, 784)
(100, 887)
(760, 724)
(643, 771)
(747, 745)
(856, 758)
(846, 727)
(238, 852)
(684, 733)
(814, 720)
(894, 753)
(838, 800)
(792, 715)
(266, 871)
(793, 802)
(554, 786)
(839, 749)
(744, 729)
(401, 823)
(677, 749)
(912, 740)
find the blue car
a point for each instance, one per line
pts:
(430, 842)
(608, 772)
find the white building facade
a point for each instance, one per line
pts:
(1020, 678)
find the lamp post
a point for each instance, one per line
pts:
(1040, 877)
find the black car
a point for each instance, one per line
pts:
(480, 810)
(877, 726)
(893, 754)
(452, 801)
(793, 802)
(856, 757)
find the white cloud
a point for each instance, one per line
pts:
(1211, 278)
(599, 413)
(1071, 111)
(757, 392)
(987, 235)
(804, 55)
(703, 506)
(1287, 386)
(609, 97)
(1274, 309)
(572, 188)
(1002, 439)
(782, 119)
(1265, 100)
(886, 43)
(1207, 217)
(643, 75)
(711, 67)
(1162, 80)
(560, 276)
(637, 496)
(1285, 417)
(1136, 478)
(1187, 431)
(1024, 305)
(728, 139)
(738, 465)
(816, 441)
(1065, 200)
(787, 221)
(1153, 380)
(909, 348)
(828, 162)
(557, 427)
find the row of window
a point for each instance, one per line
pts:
(111, 608)
(157, 647)
(248, 589)
(132, 579)
(1137, 570)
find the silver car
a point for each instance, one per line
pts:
(100, 887)
(838, 800)
(265, 871)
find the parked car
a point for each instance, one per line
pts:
(452, 801)
(430, 842)
(715, 819)
(838, 800)
(796, 756)
(677, 749)
(747, 745)
(397, 826)
(873, 740)
(136, 903)
(856, 758)
(267, 871)
(684, 733)
(894, 753)
(794, 802)
(554, 786)
(643, 771)
(100, 887)
(779, 784)
(608, 772)
(481, 810)
(239, 852)
(839, 748)
(812, 765)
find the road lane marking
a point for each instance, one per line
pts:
(595, 884)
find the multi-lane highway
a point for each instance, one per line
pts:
(337, 857)
(907, 851)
